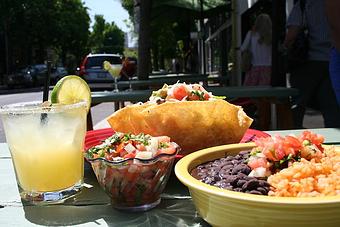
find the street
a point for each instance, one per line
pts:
(99, 112)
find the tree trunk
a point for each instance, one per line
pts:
(6, 45)
(144, 39)
(155, 52)
(279, 24)
(161, 61)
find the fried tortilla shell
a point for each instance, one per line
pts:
(193, 125)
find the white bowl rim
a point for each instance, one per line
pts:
(182, 173)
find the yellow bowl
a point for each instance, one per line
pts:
(220, 207)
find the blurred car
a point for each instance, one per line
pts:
(57, 73)
(91, 68)
(32, 75)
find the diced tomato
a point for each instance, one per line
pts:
(120, 148)
(193, 97)
(312, 137)
(129, 155)
(280, 153)
(167, 150)
(180, 91)
(293, 142)
(109, 156)
(206, 96)
(258, 162)
(95, 156)
(140, 147)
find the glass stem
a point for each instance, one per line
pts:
(130, 85)
(116, 83)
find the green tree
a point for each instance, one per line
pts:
(113, 39)
(106, 37)
(72, 30)
(35, 26)
(8, 11)
(166, 26)
(129, 6)
(97, 34)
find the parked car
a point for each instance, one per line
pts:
(32, 75)
(57, 73)
(91, 68)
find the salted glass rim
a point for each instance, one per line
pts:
(36, 107)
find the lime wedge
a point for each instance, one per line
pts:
(71, 89)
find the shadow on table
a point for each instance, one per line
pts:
(168, 213)
(92, 206)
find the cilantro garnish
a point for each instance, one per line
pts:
(163, 145)
(219, 97)
(199, 94)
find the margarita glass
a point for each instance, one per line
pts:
(114, 71)
(46, 145)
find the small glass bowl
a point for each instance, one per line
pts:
(134, 184)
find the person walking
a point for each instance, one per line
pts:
(312, 77)
(258, 42)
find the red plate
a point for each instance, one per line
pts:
(95, 137)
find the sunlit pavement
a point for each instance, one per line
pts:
(94, 87)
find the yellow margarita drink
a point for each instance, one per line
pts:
(46, 145)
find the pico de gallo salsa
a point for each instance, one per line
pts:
(131, 168)
(182, 92)
(121, 146)
(275, 153)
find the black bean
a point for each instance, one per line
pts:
(228, 166)
(250, 185)
(235, 181)
(223, 184)
(238, 157)
(229, 178)
(229, 158)
(264, 183)
(263, 191)
(237, 189)
(244, 152)
(224, 174)
(240, 183)
(231, 173)
(244, 176)
(235, 162)
(255, 192)
(209, 180)
(217, 178)
(241, 168)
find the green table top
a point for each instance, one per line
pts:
(171, 79)
(92, 207)
(229, 92)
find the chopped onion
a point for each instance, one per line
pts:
(259, 172)
(129, 148)
(144, 155)
(153, 145)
